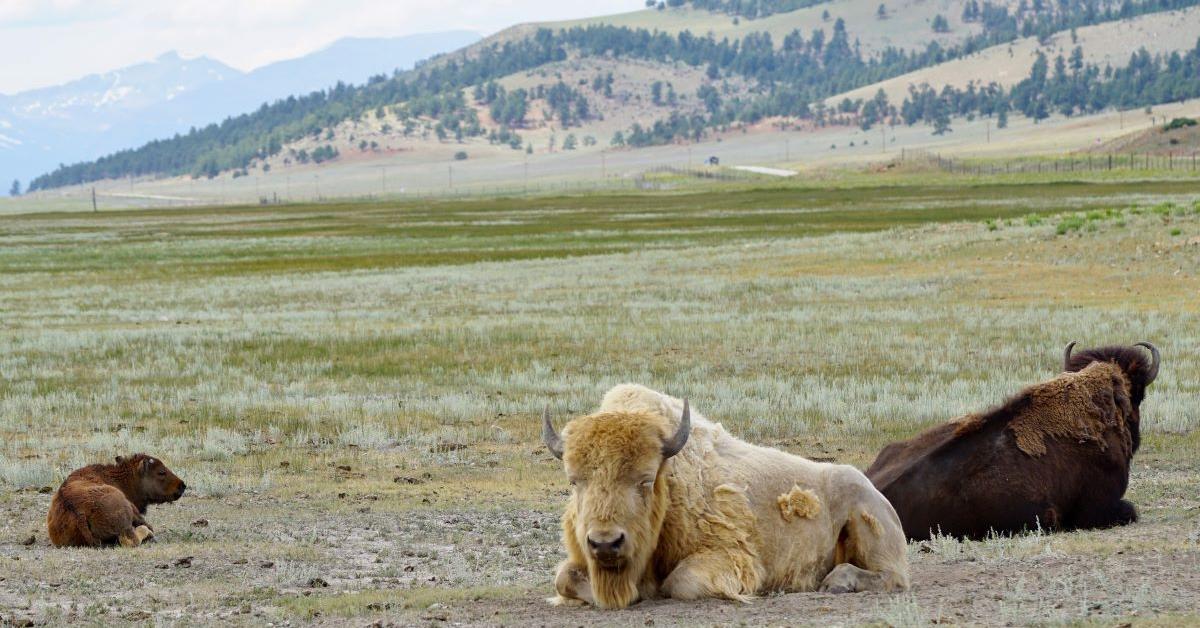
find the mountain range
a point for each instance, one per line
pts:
(101, 113)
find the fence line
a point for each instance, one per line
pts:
(1185, 162)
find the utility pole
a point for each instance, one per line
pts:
(989, 130)
(450, 176)
(94, 199)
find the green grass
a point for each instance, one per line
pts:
(341, 383)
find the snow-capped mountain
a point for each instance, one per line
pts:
(102, 113)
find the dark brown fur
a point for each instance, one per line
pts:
(1056, 455)
(103, 504)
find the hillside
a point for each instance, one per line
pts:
(1109, 44)
(1179, 137)
(623, 81)
(907, 24)
(98, 114)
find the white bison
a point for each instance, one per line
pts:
(664, 503)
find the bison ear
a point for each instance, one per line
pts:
(120, 459)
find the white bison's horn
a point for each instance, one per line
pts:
(550, 437)
(676, 442)
(1155, 360)
(1067, 356)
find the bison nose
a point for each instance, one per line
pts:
(606, 546)
(182, 488)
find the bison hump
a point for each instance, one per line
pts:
(1080, 406)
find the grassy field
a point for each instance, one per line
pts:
(351, 391)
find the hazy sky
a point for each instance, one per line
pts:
(44, 42)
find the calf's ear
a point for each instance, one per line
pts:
(120, 459)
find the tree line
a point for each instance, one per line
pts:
(804, 69)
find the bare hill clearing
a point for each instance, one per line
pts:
(427, 166)
(907, 25)
(1111, 43)
(1178, 138)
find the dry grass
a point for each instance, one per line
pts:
(369, 421)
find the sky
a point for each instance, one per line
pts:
(47, 42)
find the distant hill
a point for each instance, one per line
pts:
(101, 113)
(677, 74)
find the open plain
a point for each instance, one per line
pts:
(352, 391)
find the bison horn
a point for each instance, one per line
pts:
(676, 442)
(1067, 356)
(1155, 359)
(550, 437)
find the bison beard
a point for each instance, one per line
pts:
(1054, 456)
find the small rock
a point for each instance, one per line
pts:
(408, 568)
(240, 561)
(29, 541)
(344, 467)
(161, 566)
(184, 563)
(45, 490)
(285, 464)
(925, 548)
(266, 564)
(136, 616)
(341, 496)
(317, 583)
(200, 523)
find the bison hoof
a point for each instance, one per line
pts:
(846, 578)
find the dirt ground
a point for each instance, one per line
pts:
(338, 558)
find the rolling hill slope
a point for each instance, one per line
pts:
(680, 75)
(1109, 44)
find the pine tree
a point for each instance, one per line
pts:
(15, 190)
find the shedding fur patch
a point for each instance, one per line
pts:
(872, 522)
(799, 502)
(1081, 406)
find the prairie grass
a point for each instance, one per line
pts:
(391, 362)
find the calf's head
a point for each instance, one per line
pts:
(152, 479)
(614, 462)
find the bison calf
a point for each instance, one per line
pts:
(105, 504)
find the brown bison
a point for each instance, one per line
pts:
(105, 504)
(1055, 456)
(667, 503)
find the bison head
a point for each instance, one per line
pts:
(158, 485)
(615, 463)
(1140, 372)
